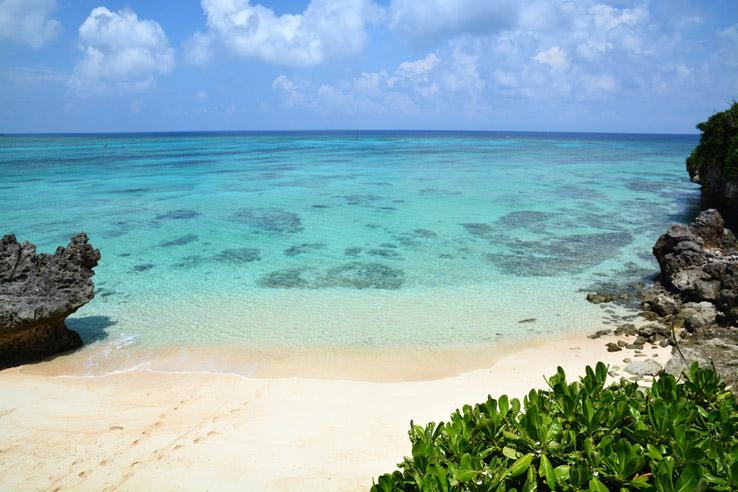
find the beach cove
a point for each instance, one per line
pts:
(273, 310)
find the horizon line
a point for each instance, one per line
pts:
(328, 130)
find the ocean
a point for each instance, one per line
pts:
(346, 239)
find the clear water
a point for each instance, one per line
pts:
(345, 239)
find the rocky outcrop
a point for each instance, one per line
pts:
(37, 293)
(699, 263)
(717, 346)
(697, 294)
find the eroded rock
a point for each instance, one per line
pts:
(699, 263)
(646, 367)
(37, 293)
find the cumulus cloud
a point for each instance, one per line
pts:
(120, 52)
(326, 29)
(411, 88)
(554, 57)
(435, 19)
(28, 21)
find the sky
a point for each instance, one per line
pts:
(658, 66)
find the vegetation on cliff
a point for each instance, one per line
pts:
(675, 436)
(718, 147)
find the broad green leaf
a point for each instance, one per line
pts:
(520, 466)
(511, 453)
(596, 486)
(547, 472)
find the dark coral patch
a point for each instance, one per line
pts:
(478, 229)
(354, 275)
(191, 261)
(144, 267)
(425, 233)
(290, 278)
(385, 253)
(238, 255)
(575, 253)
(362, 275)
(271, 220)
(180, 241)
(178, 215)
(353, 251)
(361, 200)
(524, 219)
(299, 249)
(439, 192)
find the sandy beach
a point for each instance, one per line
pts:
(335, 429)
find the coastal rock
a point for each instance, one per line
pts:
(597, 298)
(710, 227)
(646, 367)
(37, 293)
(716, 347)
(599, 333)
(665, 304)
(699, 263)
(626, 329)
(704, 315)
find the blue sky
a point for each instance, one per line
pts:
(541, 65)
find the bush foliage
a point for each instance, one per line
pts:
(676, 436)
(718, 144)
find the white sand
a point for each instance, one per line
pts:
(151, 430)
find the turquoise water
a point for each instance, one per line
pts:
(350, 239)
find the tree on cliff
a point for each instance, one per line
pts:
(718, 147)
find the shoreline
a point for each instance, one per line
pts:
(145, 428)
(351, 363)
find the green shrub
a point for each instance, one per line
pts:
(718, 145)
(675, 436)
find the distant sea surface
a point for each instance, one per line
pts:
(355, 239)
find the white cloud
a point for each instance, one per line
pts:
(410, 69)
(434, 19)
(199, 48)
(464, 74)
(598, 84)
(28, 21)
(410, 89)
(120, 52)
(326, 29)
(554, 57)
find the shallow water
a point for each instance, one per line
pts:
(345, 239)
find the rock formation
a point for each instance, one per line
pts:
(698, 293)
(699, 263)
(37, 293)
